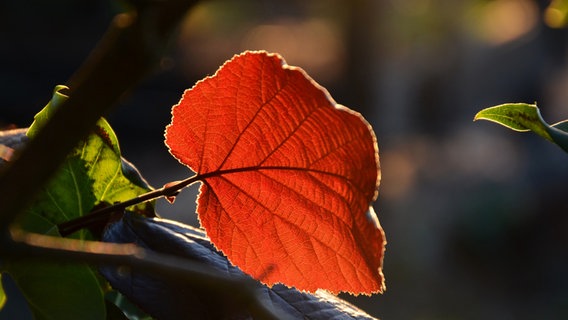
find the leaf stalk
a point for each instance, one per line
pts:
(104, 214)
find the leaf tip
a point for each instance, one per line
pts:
(478, 116)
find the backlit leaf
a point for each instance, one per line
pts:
(526, 117)
(94, 172)
(288, 176)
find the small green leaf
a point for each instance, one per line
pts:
(2, 294)
(526, 117)
(41, 118)
(516, 116)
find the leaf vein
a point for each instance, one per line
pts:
(286, 221)
(111, 182)
(77, 190)
(251, 121)
(289, 136)
(236, 225)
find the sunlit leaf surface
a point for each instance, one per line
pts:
(288, 176)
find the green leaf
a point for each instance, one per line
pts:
(67, 196)
(526, 117)
(2, 294)
(93, 173)
(41, 118)
(114, 179)
(59, 291)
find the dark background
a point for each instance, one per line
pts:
(475, 215)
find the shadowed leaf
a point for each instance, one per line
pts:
(180, 300)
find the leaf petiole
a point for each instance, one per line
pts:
(169, 190)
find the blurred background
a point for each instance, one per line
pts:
(475, 215)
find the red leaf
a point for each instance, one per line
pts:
(288, 176)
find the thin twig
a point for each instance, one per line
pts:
(102, 214)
